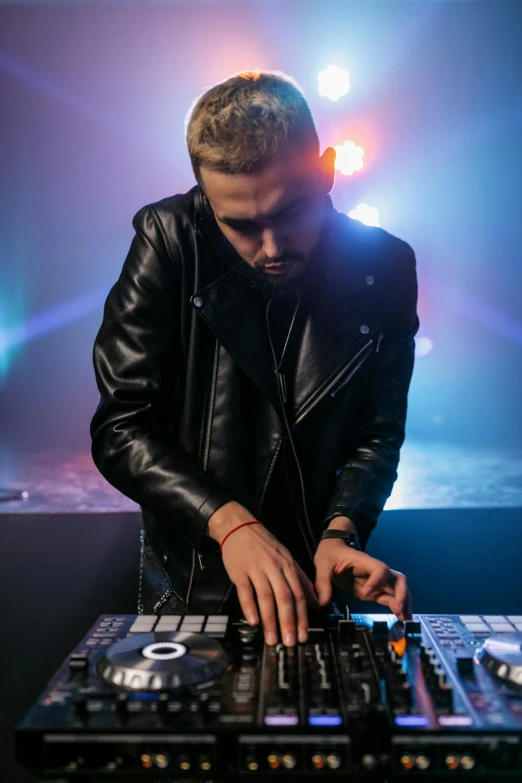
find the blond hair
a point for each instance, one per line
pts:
(240, 124)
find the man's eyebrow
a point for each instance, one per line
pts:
(292, 205)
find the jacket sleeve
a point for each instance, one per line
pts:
(365, 481)
(136, 360)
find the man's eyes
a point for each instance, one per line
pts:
(245, 228)
(254, 228)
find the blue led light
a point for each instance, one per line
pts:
(325, 720)
(143, 696)
(411, 720)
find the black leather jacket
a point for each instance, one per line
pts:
(189, 416)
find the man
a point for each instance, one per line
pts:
(253, 362)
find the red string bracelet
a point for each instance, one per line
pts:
(243, 524)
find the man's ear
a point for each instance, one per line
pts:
(327, 161)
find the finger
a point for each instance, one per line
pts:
(360, 586)
(378, 576)
(401, 592)
(408, 609)
(308, 588)
(245, 595)
(388, 600)
(286, 606)
(266, 604)
(323, 580)
(292, 576)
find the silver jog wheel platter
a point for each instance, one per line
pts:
(501, 656)
(163, 661)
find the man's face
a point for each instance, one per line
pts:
(273, 218)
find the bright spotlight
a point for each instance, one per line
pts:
(423, 345)
(367, 215)
(349, 157)
(333, 82)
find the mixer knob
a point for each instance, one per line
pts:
(440, 677)
(163, 705)
(357, 662)
(380, 628)
(403, 695)
(346, 631)
(79, 662)
(444, 696)
(412, 631)
(400, 677)
(122, 704)
(80, 707)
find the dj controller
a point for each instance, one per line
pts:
(202, 697)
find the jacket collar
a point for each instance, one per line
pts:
(334, 329)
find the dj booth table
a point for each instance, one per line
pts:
(61, 571)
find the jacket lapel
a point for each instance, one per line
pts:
(338, 320)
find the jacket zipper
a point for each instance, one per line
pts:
(351, 374)
(339, 375)
(270, 471)
(206, 455)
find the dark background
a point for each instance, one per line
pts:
(93, 98)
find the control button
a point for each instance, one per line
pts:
(494, 618)
(515, 618)
(346, 630)
(79, 662)
(465, 665)
(168, 622)
(191, 626)
(477, 627)
(80, 706)
(518, 626)
(501, 627)
(412, 628)
(470, 618)
(218, 618)
(143, 624)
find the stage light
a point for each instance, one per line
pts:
(423, 345)
(333, 82)
(349, 157)
(367, 215)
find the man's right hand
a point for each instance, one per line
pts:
(262, 569)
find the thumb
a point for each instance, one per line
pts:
(323, 580)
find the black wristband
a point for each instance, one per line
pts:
(350, 539)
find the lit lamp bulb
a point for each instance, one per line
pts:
(349, 157)
(333, 82)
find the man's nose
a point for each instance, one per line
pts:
(273, 243)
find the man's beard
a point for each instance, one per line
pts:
(271, 285)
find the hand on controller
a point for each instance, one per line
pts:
(270, 584)
(359, 574)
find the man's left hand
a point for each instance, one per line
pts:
(367, 579)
